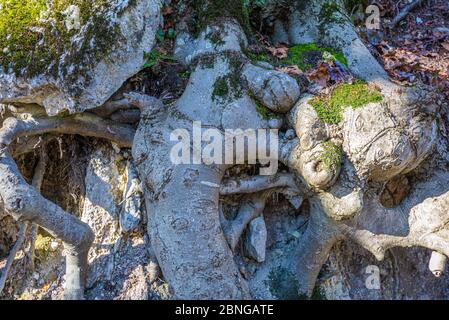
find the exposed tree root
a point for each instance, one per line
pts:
(313, 249)
(251, 208)
(82, 124)
(25, 203)
(258, 183)
(26, 227)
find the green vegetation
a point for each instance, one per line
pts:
(331, 12)
(161, 35)
(300, 55)
(229, 87)
(208, 11)
(255, 57)
(330, 108)
(215, 37)
(34, 35)
(264, 112)
(211, 10)
(154, 57)
(351, 4)
(332, 156)
(221, 86)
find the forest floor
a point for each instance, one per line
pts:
(417, 49)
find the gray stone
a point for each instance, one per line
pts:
(276, 90)
(256, 240)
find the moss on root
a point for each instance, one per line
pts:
(331, 157)
(229, 87)
(298, 55)
(34, 35)
(211, 10)
(330, 108)
(264, 112)
(331, 12)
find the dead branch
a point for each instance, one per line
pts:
(404, 12)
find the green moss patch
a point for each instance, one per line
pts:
(229, 87)
(306, 56)
(332, 156)
(34, 35)
(211, 10)
(331, 12)
(330, 108)
(264, 112)
(255, 57)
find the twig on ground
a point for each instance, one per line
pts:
(404, 12)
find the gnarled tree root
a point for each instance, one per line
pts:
(25, 227)
(26, 204)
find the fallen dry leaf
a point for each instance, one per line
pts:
(320, 75)
(291, 70)
(280, 52)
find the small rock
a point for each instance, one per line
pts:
(153, 272)
(275, 123)
(244, 272)
(256, 240)
(295, 201)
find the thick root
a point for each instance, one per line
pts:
(25, 203)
